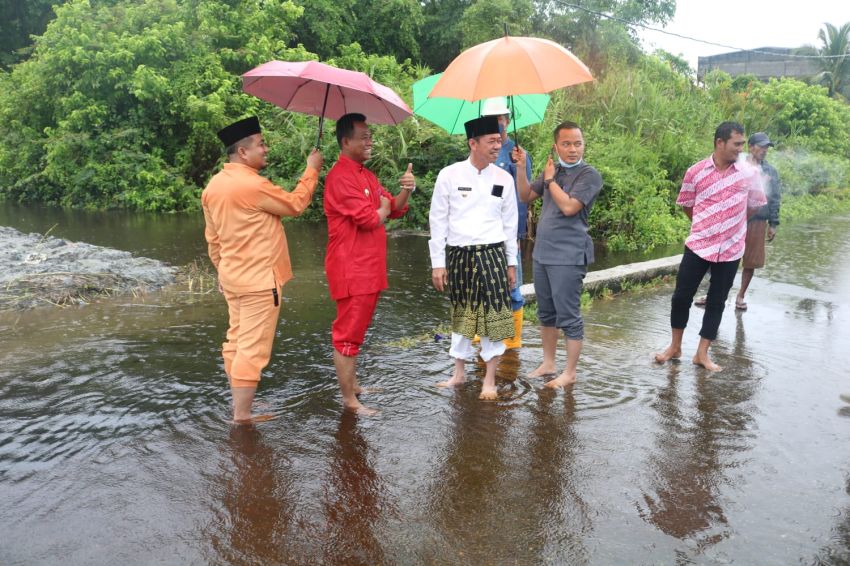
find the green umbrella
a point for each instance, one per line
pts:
(451, 113)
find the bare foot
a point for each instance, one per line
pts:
(542, 370)
(263, 418)
(360, 410)
(488, 394)
(706, 363)
(561, 381)
(458, 378)
(671, 353)
(253, 419)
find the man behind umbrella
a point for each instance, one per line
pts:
(473, 212)
(247, 246)
(357, 206)
(498, 107)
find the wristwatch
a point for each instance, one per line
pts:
(547, 181)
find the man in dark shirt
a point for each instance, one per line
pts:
(765, 220)
(562, 247)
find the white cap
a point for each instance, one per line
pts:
(497, 106)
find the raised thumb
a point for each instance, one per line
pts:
(410, 167)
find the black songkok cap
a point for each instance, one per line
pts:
(482, 126)
(239, 130)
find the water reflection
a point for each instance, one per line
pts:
(353, 499)
(555, 494)
(468, 491)
(838, 550)
(258, 519)
(696, 449)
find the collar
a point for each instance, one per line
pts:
(469, 164)
(350, 163)
(711, 164)
(230, 165)
(577, 167)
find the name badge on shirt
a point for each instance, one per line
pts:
(497, 191)
(464, 191)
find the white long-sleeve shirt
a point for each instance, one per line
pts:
(465, 210)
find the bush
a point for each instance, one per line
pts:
(809, 173)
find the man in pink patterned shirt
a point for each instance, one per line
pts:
(718, 194)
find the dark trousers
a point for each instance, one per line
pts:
(691, 271)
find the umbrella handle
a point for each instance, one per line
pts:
(322, 117)
(513, 115)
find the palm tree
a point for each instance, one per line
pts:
(835, 66)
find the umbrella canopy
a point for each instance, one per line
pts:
(315, 88)
(451, 113)
(510, 66)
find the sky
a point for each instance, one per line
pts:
(745, 24)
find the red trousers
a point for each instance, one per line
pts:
(353, 316)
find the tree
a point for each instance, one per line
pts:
(119, 103)
(18, 22)
(386, 27)
(835, 70)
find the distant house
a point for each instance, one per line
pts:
(765, 63)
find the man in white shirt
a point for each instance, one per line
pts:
(473, 212)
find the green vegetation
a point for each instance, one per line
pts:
(115, 103)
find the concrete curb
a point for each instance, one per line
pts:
(613, 278)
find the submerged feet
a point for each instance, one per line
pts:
(360, 409)
(543, 370)
(566, 378)
(670, 353)
(253, 419)
(488, 393)
(704, 361)
(458, 376)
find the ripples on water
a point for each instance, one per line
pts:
(114, 444)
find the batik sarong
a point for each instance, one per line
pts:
(479, 291)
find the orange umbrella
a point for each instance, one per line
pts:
(508, 66)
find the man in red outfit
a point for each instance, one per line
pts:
(357, 206)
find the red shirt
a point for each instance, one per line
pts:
(720, 200)
(356, 258)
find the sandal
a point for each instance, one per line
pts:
(700, 302)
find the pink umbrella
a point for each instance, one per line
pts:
(315, 88)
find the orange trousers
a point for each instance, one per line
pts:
(250, 335)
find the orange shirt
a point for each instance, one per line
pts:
(246, 241)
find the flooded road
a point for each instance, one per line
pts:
(114, 446)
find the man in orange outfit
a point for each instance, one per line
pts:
(357, 206)
(247, 246)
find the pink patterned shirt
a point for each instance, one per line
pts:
(720, 200)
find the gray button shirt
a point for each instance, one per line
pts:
(560, 239)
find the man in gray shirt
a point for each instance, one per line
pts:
(562, 247)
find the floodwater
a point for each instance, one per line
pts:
(115, 447)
